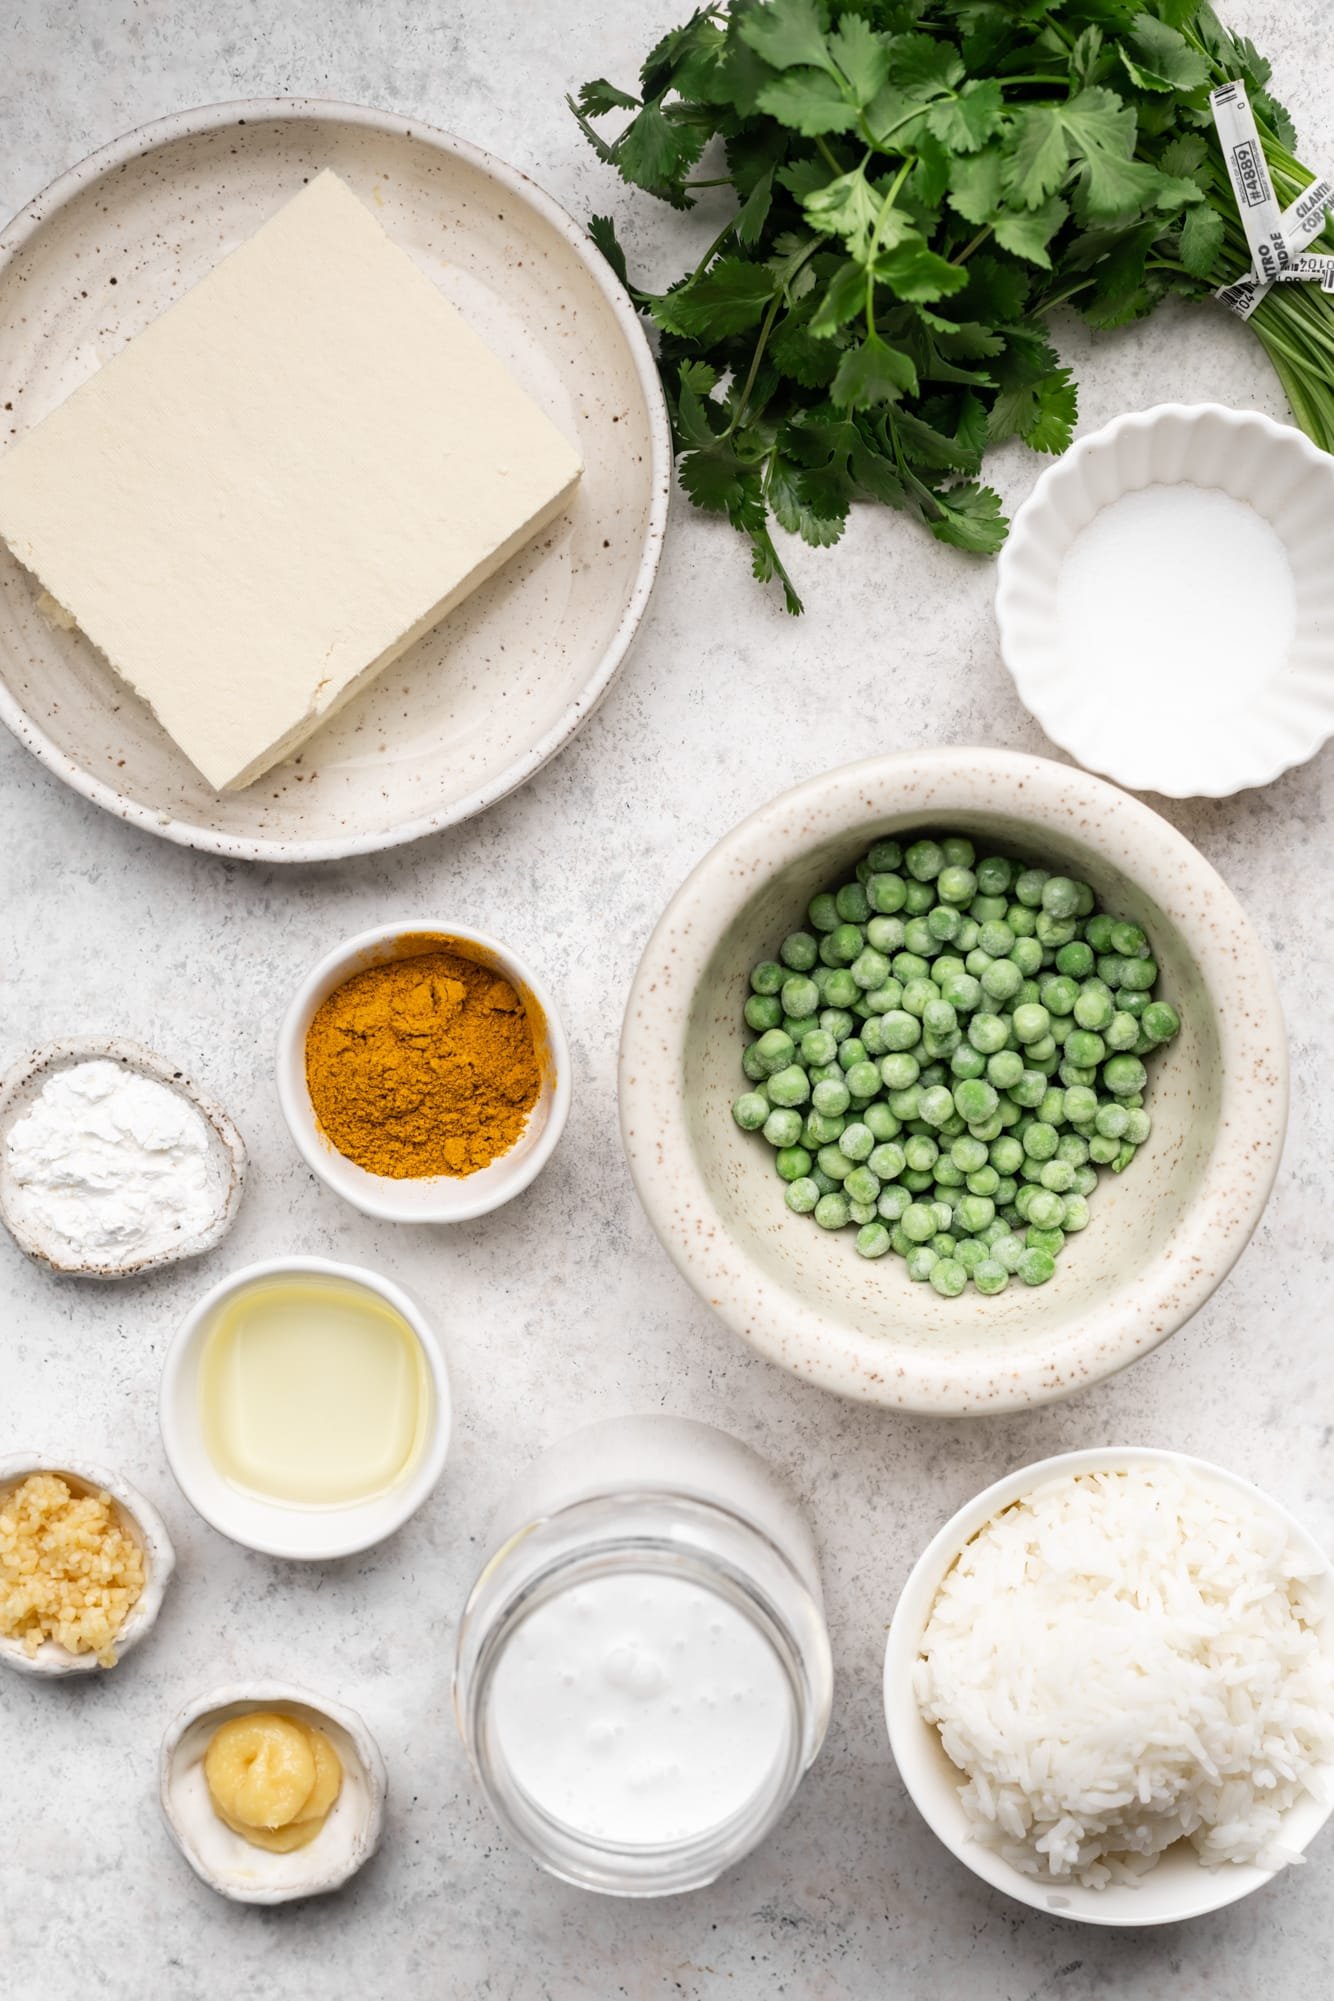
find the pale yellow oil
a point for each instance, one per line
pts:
(313, 1392)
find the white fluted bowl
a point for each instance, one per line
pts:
(1285, 717)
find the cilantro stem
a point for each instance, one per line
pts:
(762, 339)
(891, 196)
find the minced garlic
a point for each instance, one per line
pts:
(68, 1570)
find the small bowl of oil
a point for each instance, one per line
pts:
(305, 1408)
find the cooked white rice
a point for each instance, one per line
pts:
(1121, 1660)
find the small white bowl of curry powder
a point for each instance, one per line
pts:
(423, 1073)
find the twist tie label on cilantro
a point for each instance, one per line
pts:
(1277, 238)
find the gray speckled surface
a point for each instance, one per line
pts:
(563, 1307)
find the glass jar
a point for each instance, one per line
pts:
(643, 1672)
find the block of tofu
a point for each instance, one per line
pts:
(284, 481)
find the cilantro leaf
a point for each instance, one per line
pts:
(975, 184)
(657, 147)
(1042, 413)
(1163, 59)
(873, 372)
(968, 517)
(810, 101)
(1201, 240)
(862, 55)
(912, 271)
(788, 34)
(595, 99)
(1038, 157)
(967, 121)
(726, 299)
(844, 296)
(603, 232)
(1028, 235)
(798, 506)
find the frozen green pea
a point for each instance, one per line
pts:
(1073, 1150)
(1102, 1150)
(893, 1201)
(862, 1185)
(1086, 1180)
(1051, 1106)
(988, 1032)
(1076, 1214)
(763, 1011)
(767, 978)
(1160, 1022)
(851, 903)
(1021, 920)
(925, 860)
(944, 1214)
(975, 1212)
(965, 1061)
(939, 1018)
(1006, 1155)
(831, 1212)
(1111, 1121)
(1138, 974)
(869, 969)
(1053, 932)
(782, 1127)
(881, 1122)
(1075, 1077)
(799, 951)
(921, 1262)
(1031, 1021)
(900, 1029)
(790, 1086)
(919, 899)
(1080, 1104)
(1122, 1031)
(832, 1160)
(800, 996)
(1124, 1075)
(1030, 1089)
(995, 938)
(802, 1195)
(1138, 1126)
(1084, 1048)
(1075, 959)
(841, 990)
(822, 912)
(794, 1163)
(861, 1212)
(962, 990)
(887, 1160)
(1029, 886)
(885, 853)
(899, 1070)
(1128, 940)
(987, 1129)
(872, 1240)
(1043, 1209)
(820, 1130)
(1035, 1267)
(958, 851)
(918, 995)
(845, 944)
(918, 1222)
(863, 1079)
(872, 1041)
(947, 1174)
(818, 1046)
(1026, 953)
(774, 1051)
(994, 875)
(836, 1021)
(943, 923)
(1093, 1009)
(1110, 969)
(920, 1151)
(948, 1277)
(988, 909)
(1008, 1251)
(1060, 896)
(797, 1026)
(970, 1253)
(967, 937)
(856, 1141)
(750, 1111)
(975, 1100)
(1059, 995)
(886, 892)
(885, 934)
(1002, 980)
(937, 1103)
(906, 1104)
(943, 1244)
(990, 1275)
(1051, 1241)
(1040, 1140)
(1057, 1175)
(968, 1154)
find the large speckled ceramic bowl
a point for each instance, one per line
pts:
(1161, 1236)
(494, 690)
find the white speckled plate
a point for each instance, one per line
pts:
(485, 699)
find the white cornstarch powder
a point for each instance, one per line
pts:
(111, 1164)
(1180, 598)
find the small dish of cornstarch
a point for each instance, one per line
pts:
(1109, 1685)
(111, 1161)
(1180, 598)
(1165, 599)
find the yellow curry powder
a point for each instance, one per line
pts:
(424, 1064)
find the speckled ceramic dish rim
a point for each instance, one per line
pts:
(937, 784)
(181, 125)
(1174, 1891)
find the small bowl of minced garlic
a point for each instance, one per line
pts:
(272, 1793)
(85, 1561)
(112, 1162)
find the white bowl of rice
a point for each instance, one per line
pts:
(1109, 1686)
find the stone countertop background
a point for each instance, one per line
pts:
(563, 1307)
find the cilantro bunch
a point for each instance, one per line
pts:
(918, 184)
